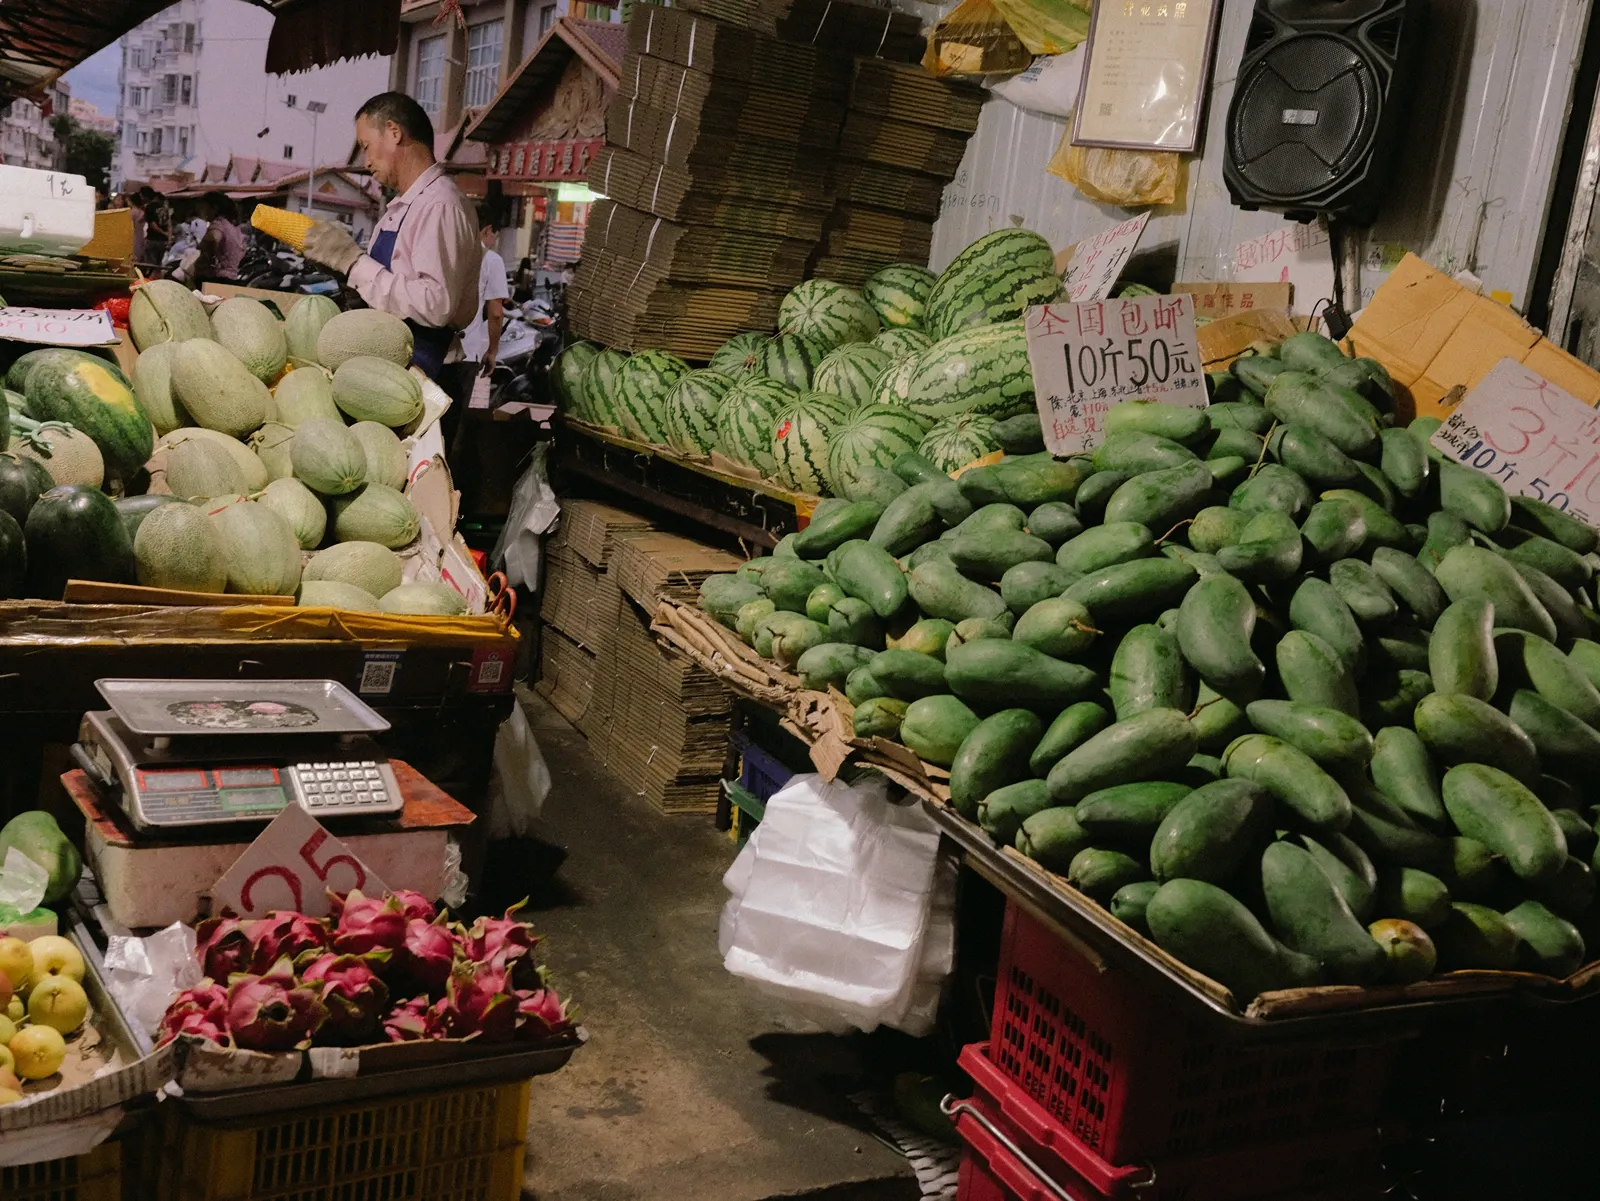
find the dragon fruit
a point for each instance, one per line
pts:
(426, 956)
(201, 1011)
(224, 946)
(506, 943)
(368, 924)
(476, 1002)
(416, 906)
(355, 997)
(412, 1021)
(540, 1014)
(284, 935)
(272, 1013)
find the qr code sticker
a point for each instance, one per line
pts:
(377, 676)
(490, 671)
(1105, 108)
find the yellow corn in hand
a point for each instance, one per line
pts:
(282, 224)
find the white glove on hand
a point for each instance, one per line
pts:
(328, 243)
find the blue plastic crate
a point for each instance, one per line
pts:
(760, 772)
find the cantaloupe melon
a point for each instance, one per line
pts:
(263, 555)
(327, 457)
(365, 565)
(377, 513)
(164, 311)
(250, 332)
(386, 458)
(271, 443)
(178, 547)
(217, 390)
(300, 507)
(303, 325)
(152, 384)
(69, 455)
(374, 389)
(304, 393)
(434, 600)
(334, 595)
(364, 332)
(252, 472)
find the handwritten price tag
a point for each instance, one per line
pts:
(292, 865)
(1088, 357)
(1519, 428)
(1093, 266)
(58, 327)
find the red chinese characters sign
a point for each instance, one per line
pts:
(562, 159)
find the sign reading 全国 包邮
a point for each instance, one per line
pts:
(1087, 358)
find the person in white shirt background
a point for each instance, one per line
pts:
(481, 341)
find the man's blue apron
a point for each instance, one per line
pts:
(431, 344)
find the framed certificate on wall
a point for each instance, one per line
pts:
(1146, 73)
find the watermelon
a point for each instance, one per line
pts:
(852, 372)
(691, 414)
(874, 435)
(827, 313)
(898, 294)
(24, 367)
(22, 482)
(955, 442)
(791, 359)
(744, 421)
(598, 386)
(96, 398)
(75, 533)
(800, 440)
(902, 342)
(983, 370)
(994, 279)
(566, 376)
(13, 557)
(894, 385)
(641, 395)
(737, 357)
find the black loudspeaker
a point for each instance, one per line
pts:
(1318, 114)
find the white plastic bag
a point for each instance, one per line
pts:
(520, 780)
(1048, 86)
(519, 551)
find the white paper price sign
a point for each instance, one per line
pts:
(1094, 265)
(58, 327)
(1537, 440)
(1088, 357)
(291, 865)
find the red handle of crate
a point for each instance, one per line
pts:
(1027, 1182)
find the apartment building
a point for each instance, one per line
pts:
(26, 136)
(194, 90)
(88, 115)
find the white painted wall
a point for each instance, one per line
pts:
(1494, 93)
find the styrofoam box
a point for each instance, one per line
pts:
(46, 212)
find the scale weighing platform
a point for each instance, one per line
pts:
(175, 753)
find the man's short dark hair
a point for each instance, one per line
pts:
(405, 112)
(221, 205)
(488, 215)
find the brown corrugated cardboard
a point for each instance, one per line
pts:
(591, 528)
(1224, 340)
(653, 567)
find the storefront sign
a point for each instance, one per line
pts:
(1088, 357)
(562, 159)
(291, 865)
(1537, 440)
(58, 327)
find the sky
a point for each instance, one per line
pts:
(95, 79)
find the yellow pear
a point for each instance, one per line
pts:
(7, 1096)
(58, 1002)
(55, 956)
(8, 1030)
(16, 961)
(16, 1010)
(38, 1051)
(8, 1065)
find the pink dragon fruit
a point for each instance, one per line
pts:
(368, 924)
(272, 1013)
(502, 938)
(540, 1014)
(355, 997)
(284, 935)
(426, 956)
(416, 906)
(476, 1002)
(412, 1021)
(201, 1011)
(223, 946)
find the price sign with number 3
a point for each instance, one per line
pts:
(292, 865)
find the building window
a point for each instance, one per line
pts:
(183, 142)
(155, 141)
(483, 62)
(288, 154)
(547, 18)
(169, 89)
(428, 89)
(144, 140)
(186, 90)
(188, 39)
(130, 136)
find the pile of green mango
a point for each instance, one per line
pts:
(1285, 688)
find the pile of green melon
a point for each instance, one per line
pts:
(851, 380)
(1284, 687)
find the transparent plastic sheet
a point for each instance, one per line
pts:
(974, 39)
(519, 781)
(1047, 26)
(1121, 177)
(519, 551)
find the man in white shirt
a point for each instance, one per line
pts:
(481, 342)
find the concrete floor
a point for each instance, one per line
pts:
(693, 1087)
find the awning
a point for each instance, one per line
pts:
(41, 39)
(601, 46)
(315, 33)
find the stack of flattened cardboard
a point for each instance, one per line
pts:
(658, 721)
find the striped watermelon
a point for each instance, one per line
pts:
(898, 293)
(738, 356)
(642, 387)
(829, 314)
(692, 405)
(894, 385)
(983, 370)
(994, 279)
(598, 386)
(744, 421)
(852, 372)
(955, 442)
(902, 342)
(800, 440)
(790, 359)
(566, 376)
(874, 435)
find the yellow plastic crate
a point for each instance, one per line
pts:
(96, 1176)
(462, 1145)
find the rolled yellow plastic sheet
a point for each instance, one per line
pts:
(287, 227)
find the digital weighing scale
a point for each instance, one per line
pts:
(178, 753)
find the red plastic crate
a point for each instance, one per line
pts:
(1130, 1077)
(1350, 1160)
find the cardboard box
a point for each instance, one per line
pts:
(1435, 334)
(592, 529)
(1226, 339)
